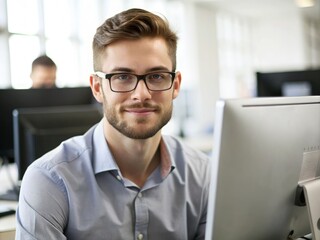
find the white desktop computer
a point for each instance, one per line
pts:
(265, 169)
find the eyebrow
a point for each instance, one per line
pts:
(129, 70)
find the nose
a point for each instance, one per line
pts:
(141, 92)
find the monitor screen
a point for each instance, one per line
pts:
(262, 149)
(290, 83)
(11, 99)
(39, 130)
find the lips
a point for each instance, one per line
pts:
(140, 112)
(140, 108)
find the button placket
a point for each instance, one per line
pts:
(140, 236)
(141, 217)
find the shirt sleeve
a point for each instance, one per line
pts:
(42, 208)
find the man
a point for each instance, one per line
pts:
(43, 72)
(122, 179)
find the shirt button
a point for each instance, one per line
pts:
(140, 195)
(119, 178)
(140, 236)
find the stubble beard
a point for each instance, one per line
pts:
(129, 130)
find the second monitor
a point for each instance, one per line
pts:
(11, 99)
(39, 130)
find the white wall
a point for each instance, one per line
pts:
(197, 60)
(207, 59)
(279, 43)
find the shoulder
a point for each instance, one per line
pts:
(192, 169)
(186, 158)
(178, 147)
(69, 152)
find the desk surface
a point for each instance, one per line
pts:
(7, 223)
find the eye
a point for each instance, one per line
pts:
(156, 76)
(123, 77)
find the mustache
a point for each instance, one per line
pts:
(140, 105)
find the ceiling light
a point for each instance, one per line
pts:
(304, 3)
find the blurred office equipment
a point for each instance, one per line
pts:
(39, 130)
(288, 83)
(11, 99)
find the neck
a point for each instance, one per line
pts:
(136, 159)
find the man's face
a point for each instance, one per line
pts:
(43, 77)
(141, 113)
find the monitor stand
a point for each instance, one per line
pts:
(312, 197)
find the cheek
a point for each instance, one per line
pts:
(165, 100)
(112, 99)
(106, 93)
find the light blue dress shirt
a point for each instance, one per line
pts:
(77, 192)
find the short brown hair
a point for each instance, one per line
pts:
(132, 24)
(43, 60)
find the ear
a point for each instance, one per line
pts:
(176, 84)
(96, 88)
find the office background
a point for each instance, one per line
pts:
(223, 43)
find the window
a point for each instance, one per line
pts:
(62, 29)
(235, 57)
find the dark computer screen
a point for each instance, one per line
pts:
(11, 99)
(39, 130)
(289, 83)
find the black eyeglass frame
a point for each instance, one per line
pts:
(108, 76)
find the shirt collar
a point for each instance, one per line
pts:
(104, 161)
(102, 157)
(167, 163)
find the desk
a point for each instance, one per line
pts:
(7, 223)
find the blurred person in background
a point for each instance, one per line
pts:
(43, 72)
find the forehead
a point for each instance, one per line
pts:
(138, 55)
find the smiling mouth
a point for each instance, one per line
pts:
(140, 111)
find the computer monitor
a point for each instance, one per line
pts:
(262, 149)
(11, 99)
(39, 130)
(288, 83)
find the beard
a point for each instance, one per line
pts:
(129, 130)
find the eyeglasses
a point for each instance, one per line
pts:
(127, 82)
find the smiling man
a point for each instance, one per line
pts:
(123, 179)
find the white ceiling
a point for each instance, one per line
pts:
(255, 8)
